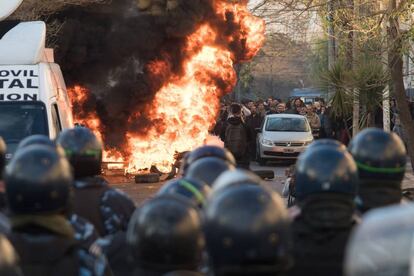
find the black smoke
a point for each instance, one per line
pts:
(106, 48)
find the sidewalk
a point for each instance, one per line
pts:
(408, 181)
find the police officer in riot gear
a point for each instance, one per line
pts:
(38, 139)
(9, 263)
(38, 189)
(108, 209)
(383, 243)
(195, 191)
(327, 142)
(290, 185)
(207, 151)
(247, 231)
(381, 159)
(235, 177)
(208, 169)
(326, 185)
(85, 231)
(165, 235)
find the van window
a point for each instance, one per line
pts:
(21, 119)
(56, 118)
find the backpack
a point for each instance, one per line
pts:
(236, 140)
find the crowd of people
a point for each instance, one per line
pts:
(248, 116)
(59, 216)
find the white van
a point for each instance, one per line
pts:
(33, 97)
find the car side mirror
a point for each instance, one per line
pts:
(258, 130)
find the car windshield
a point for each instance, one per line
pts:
(21, 119)
(287, 124)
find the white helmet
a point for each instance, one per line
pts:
(7, 7)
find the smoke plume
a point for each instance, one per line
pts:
(112, 49)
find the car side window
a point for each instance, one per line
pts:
(56, 118)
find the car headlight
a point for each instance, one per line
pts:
(307, 143)
(267, 142)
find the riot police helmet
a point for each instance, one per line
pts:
(208, 151)
(325, 169)
(235, 177)
(208, 169)
(379, 155)
(326, 142)
(38, 180)
(247, 231)
(165, 234)
(83, 149)
(193, 190)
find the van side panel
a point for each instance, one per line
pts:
(54, 88)
(65, 109)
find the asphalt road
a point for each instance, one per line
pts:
(141, 192)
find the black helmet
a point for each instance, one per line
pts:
(38, 180)
(325, 169)
(379, 155)
(208, 151)
(327, 142)
(83, 150)
(9, 263)
(165, 234)
(196, 191)
(39, 139)
(208, 169)
(247, 230)
(235, 177)
(3, 150)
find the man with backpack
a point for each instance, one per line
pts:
(236, 136)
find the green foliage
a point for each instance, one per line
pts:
(370, 79)
(336, 80)
(317, 60)
(245, 75)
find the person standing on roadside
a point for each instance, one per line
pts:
(314, 120)
(253, 122)
(236, 136)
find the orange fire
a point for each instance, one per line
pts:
(186, 106)
(78, 95)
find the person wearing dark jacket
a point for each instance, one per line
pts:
(39, 198)
(108, 209)
(326, 123)
(325, 193)
(254, 121)
(381, 158)
(236, 136)
(165, 237)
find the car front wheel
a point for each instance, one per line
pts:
(259, 159)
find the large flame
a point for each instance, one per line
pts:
(186, 106)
